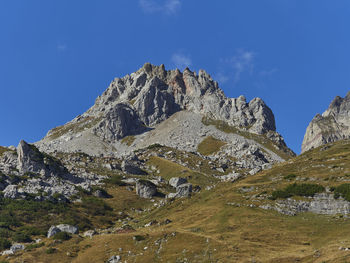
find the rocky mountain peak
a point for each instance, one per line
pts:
(140, 102)
(331, 126)
(155, 93)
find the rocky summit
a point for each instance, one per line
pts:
(333, 125)
(171, 108)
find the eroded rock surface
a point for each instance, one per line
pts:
(331, 126)
(128, 115)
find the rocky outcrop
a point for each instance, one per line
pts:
(29, 172)
(120, 121)
(331, 126)
(145, 189)
(323, 203)
(62, 228)
(176, 181)
(183, 190)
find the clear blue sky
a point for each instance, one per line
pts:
(57, 56)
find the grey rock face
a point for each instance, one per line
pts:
(30, 159)
(130, 167)
(62, 228)
(119, 121)
(331, 126)
(323, 203)
(11, 191)
(183, 190)
(176, 181)
(145, 189)
(138, 102)
(53, 231)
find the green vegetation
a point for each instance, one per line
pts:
(21, 237)
(128, 140)
(154, 146)
(50, 250)
(297, 190)
(79, 126)
(290, 177)
(342, 190)
(3, 149)
(30, 247)
(4, 243)
(114, 180)
(62, 236)
(96, 206)
(210, 145)
(139, 238)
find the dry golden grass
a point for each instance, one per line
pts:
(209, 227)
(210, 145)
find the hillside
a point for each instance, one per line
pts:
(224, 222)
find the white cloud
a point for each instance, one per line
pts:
(221, 78)
(168, 7)
(181, 61)
(232, 68)
(242, 61)
(61, 47)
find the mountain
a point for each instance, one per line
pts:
(172, 108)
(331, 126)
(162, 168)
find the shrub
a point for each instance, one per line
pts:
(50, 250)
(297, 190)
(290, 176)
(342, 190)
(21, 237)
(33, 246)
(62, 236)
(115, 180)
(154, 146)
(139, 238)
(95, 206)
(4, 243)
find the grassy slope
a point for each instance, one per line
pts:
(209, 227)
(210, 145)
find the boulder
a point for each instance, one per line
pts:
(89, 233)
(145, 189)
(184, 190)
(114, 259)
(230, 177)
(30, 159)
(62, 228)
(17, 247)
(130, 168)
(176, 181)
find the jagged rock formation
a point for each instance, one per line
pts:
(28, 171)
(154, 105)
(331, 126)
